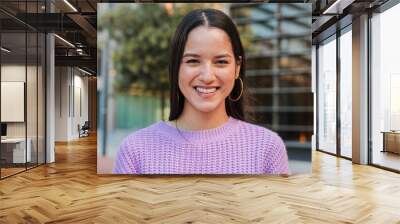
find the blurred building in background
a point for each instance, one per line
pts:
(279, 69)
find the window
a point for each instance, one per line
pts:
(346, 92)
(385, 88)
(327, 95)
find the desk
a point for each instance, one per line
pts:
(17, 150)
(391, 141)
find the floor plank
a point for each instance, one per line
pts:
(70, 191)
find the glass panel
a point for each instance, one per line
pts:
(305, 121)
(294, 135)
(296, 100)
(263, 99)
(41, 99)
(13, 87)
(22, 76)
(300, 80)
(346, 94)
(385, 84)
(262, 81)
(31, 85)
(263, 118)
(327, 96)
(31, 98)
(258, 63)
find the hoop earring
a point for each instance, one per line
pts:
(241, 92)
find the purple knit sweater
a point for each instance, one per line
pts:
(236, 147)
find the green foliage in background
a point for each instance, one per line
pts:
(142, 34)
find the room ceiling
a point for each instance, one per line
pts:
(74, 21)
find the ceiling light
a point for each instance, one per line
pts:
(5, 49)
(70, 5)
(65, 41)
(337, 7)
(86, 72)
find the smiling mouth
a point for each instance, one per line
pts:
(206, 90)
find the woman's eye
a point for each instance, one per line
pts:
(192, 61)
(222, 62)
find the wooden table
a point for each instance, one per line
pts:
(14, 149)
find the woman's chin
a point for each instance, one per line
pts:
(206, 107)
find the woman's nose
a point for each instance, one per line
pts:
(207, 73)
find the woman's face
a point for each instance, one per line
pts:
(208, 69)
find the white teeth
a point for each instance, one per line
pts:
(206, 90)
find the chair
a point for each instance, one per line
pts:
(84, 130)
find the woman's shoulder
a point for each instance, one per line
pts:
(256, 128)
(263, 135)
(143, 135)
(271, 145)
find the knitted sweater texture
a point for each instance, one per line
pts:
(236, 147)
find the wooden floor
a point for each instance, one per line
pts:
(387, 159)
(10, 171)
(70, 191)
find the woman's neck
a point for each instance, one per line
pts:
(193, 120)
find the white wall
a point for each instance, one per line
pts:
(71, 87)
(13, 73)
(61, 103)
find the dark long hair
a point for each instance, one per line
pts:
(210, 18)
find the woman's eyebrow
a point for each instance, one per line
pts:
(190, 55)
(223, 56)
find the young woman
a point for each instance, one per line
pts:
(206, 132)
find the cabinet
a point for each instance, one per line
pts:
(391, 141)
